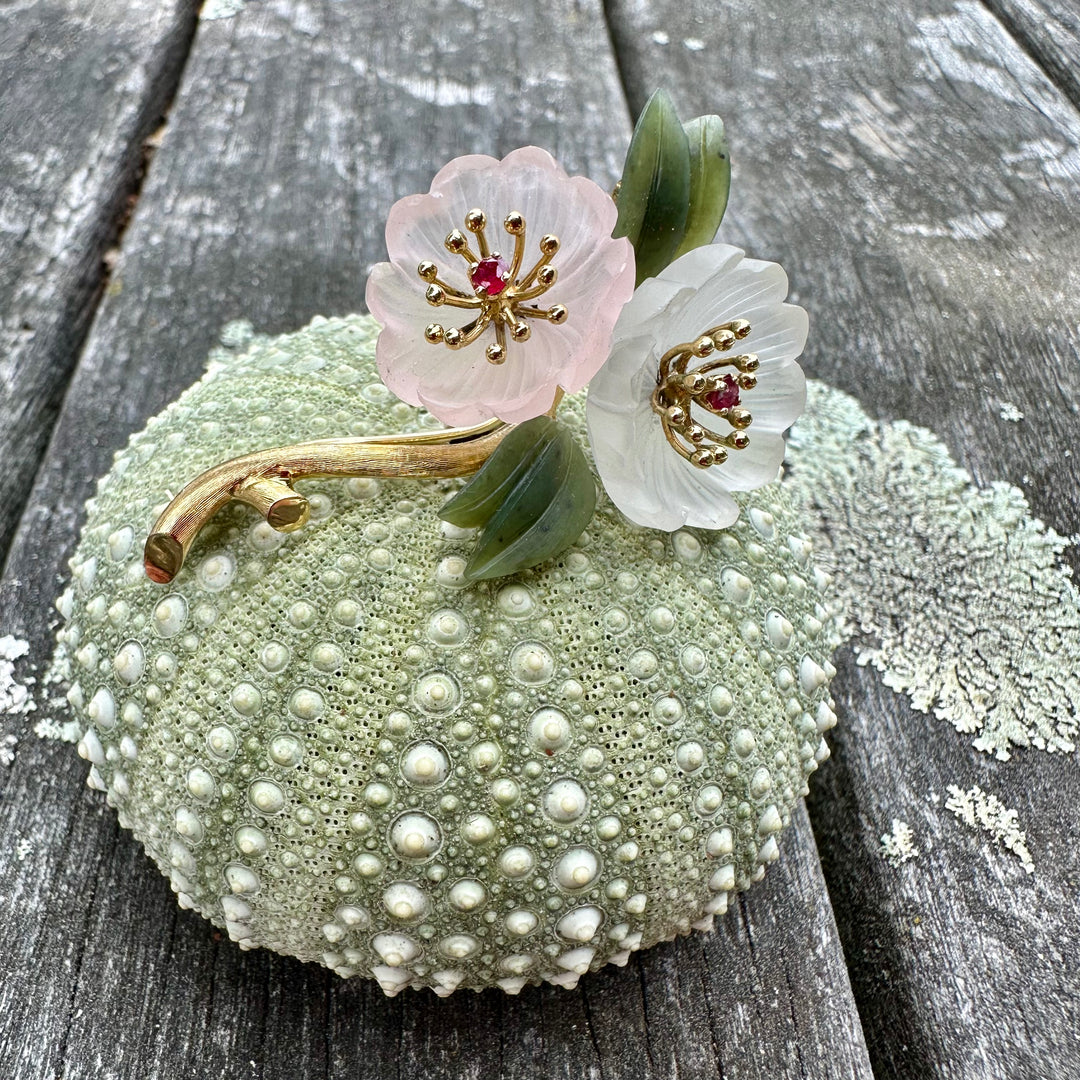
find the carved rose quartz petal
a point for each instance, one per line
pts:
(642, 474)
(595, 278)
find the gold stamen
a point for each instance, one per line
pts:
(531, 276)
(506, 311)
(678, 389)
(473, 330)
(555, 314)
(456, 244)
(475, 222)
(497, 352)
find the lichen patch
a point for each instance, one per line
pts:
(898, 846)
(959, 597)
(979, 810)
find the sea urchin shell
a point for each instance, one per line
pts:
(338, 750)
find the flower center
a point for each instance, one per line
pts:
(500, 292)
(725, 397)
(489, 275)
(679, 390)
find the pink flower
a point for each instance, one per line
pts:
(503, 284)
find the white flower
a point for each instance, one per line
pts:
(648, 479)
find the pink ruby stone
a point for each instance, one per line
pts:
(489, 275)
(726, 397)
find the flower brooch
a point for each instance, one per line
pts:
(511, 283)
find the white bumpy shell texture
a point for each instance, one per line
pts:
(338, 750)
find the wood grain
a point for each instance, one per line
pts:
(915, 174)
(297, 124)
(82, 85)
(1049, 30)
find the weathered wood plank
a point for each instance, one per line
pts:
(915, 173)
(82, 85)
(1050, 32)
(296, 126)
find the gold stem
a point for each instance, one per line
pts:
(523, 285)
(521, 295)
(519, 255)
(474, 329)
(469, 302)
(264, 480)
(456, 294)
(283, 508)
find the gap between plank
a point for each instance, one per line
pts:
(120, 207)
(635, 101)
(1024, 32)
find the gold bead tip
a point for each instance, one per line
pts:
(428, 270)
(433, 334)
(514, 223)
(475, 220)
(740, 328)
(456, 242)
(496, 354)
(549, 244)
(163, 556)
(557, 314)
(289, 514)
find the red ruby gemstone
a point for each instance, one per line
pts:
(489, 275)
(726, 397)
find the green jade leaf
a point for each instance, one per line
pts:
(710, 181)
(475, 503)
(533, 498)
(654, 192)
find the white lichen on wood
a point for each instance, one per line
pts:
(15, 694)
(960, 596)
(220, 9)
(980, 810)
(69, 731)
(898, 846)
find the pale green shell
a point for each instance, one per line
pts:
(336, 750)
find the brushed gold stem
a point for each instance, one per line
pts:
(264, 480)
